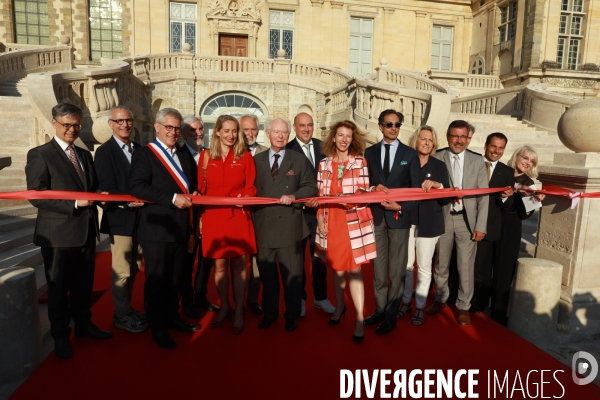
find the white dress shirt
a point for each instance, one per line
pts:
(175, 158)
(311, 149)
(456, 206)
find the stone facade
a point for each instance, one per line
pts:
(7, 27)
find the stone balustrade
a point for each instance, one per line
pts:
(17, 64)
(489, 82)
(505, 101)
(407, 79)
(543, 108)
(6, 47)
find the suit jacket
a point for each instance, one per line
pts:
(502, 176)
(474, 177)
(296, 145)
(150, 180)
(112, 168)
(260, 148)
(429, 213)
(58, 223)
(405, 173)
(278, 225)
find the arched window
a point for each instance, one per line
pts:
(235, 104)
(478, 66)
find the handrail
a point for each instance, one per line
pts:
(17, 64)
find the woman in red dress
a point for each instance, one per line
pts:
(227, 169)
(345, 237)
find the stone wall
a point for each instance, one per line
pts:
(534, 26)
(7, 28)
(176, 94)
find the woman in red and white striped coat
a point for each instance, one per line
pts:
(345, 238)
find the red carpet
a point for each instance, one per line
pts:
(273, 364)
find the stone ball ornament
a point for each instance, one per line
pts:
(578, 125)
(186, 47)
(281, 53)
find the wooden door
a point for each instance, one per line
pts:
(231, 45)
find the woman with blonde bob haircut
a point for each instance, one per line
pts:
(226, 169)
(427, 223)
(345, 238)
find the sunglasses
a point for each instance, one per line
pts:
(392, 124)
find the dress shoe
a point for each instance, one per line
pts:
(218, 322)
(163, 339)
(92, 331)
(475, 309)
(191, 311)
(373, 319)
(435, 308)
(63, 349)
(207, 306)
(254, 307)
(303, 308)
(324, 305)
(358, 339)
(291, 325)
(237, 329)
(182, 326)
(337, 321)
(265, 323)
(385, 327)
(463, 318)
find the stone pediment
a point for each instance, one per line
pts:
(236, 10)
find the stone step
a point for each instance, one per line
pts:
(16, 238)
(13, 223)
(15, 157)
(14, 188)
(6, 182)
(28, 255)
(10, 150)
(16, 208)
(13, 172)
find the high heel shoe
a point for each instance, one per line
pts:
(337, 321)
(218, 322)
(404, 309)
(357, 339)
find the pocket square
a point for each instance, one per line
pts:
(290, 173)
(403, 162)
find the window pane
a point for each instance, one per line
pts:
(565, 5)
(176, 10)
(437, 32)
(578, 5)
(176, 28)
(503, 14)
(31, 21)
(287, 43)
(573, 54)
(190, 36)
(576, 26)
(367, 26)
(502, 33)
(274, 42)
(354, 25)
(563, 24)
(190, 11)
(275, 17)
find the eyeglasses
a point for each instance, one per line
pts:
(69, 126)
(171, 128)
(128, 121)
(389, 125)
(456, 137)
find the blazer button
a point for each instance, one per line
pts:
(85, 213)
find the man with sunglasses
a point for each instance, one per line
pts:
(66, 230)
(392, 165)
(119, 220)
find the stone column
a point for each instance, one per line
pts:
(570, 236)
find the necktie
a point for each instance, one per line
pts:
(456, 175)
(129, 149)
(386, 162)
(75, 163)
(488, 168)
(275, 167)
(310, 158)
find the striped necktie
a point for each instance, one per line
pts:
(275, 167)
(75, 163)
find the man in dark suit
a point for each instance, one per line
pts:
(499, 175)
(305, 144)
(66, 230)
(119, 220)
(465, 221)
(281, 229)
(164, 175)
(193, 297)
(391, 165)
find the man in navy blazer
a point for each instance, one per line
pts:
(305, 144)
(119, 220)
(391, 165)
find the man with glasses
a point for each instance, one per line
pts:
(281, 229)
(465, 221)
(192, 132)
(305, 144)
(66, 230)
(392, 165)
(165, 176)
(119, 220)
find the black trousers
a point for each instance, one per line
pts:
(319, 270)
(183, 276)
(485, 261)
(291, 265)
(160, 294)
(70, 277)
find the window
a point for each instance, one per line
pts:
(361, 45)
(183, 26)
(508, 22)
(106, 31)
(281, 33)
(478, 66)
(441, 48)
(570, 32)
(31, 22)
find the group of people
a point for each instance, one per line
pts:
(172, 235)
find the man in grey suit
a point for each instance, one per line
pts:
(465, 221)
(249, 127)
(280, 229)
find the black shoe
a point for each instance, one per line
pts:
(182, 326)
(337, 321)
(254, 307)
(373, 319)
(92, 331)
(163, 339)
(191, 311)
(207, 306)
(291, 325)
(358, 339)
(63, 349)
(474, 309)
(265, 323)
(385, 327)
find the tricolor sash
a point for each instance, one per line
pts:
(165, 158)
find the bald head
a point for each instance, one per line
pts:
(304, 127)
